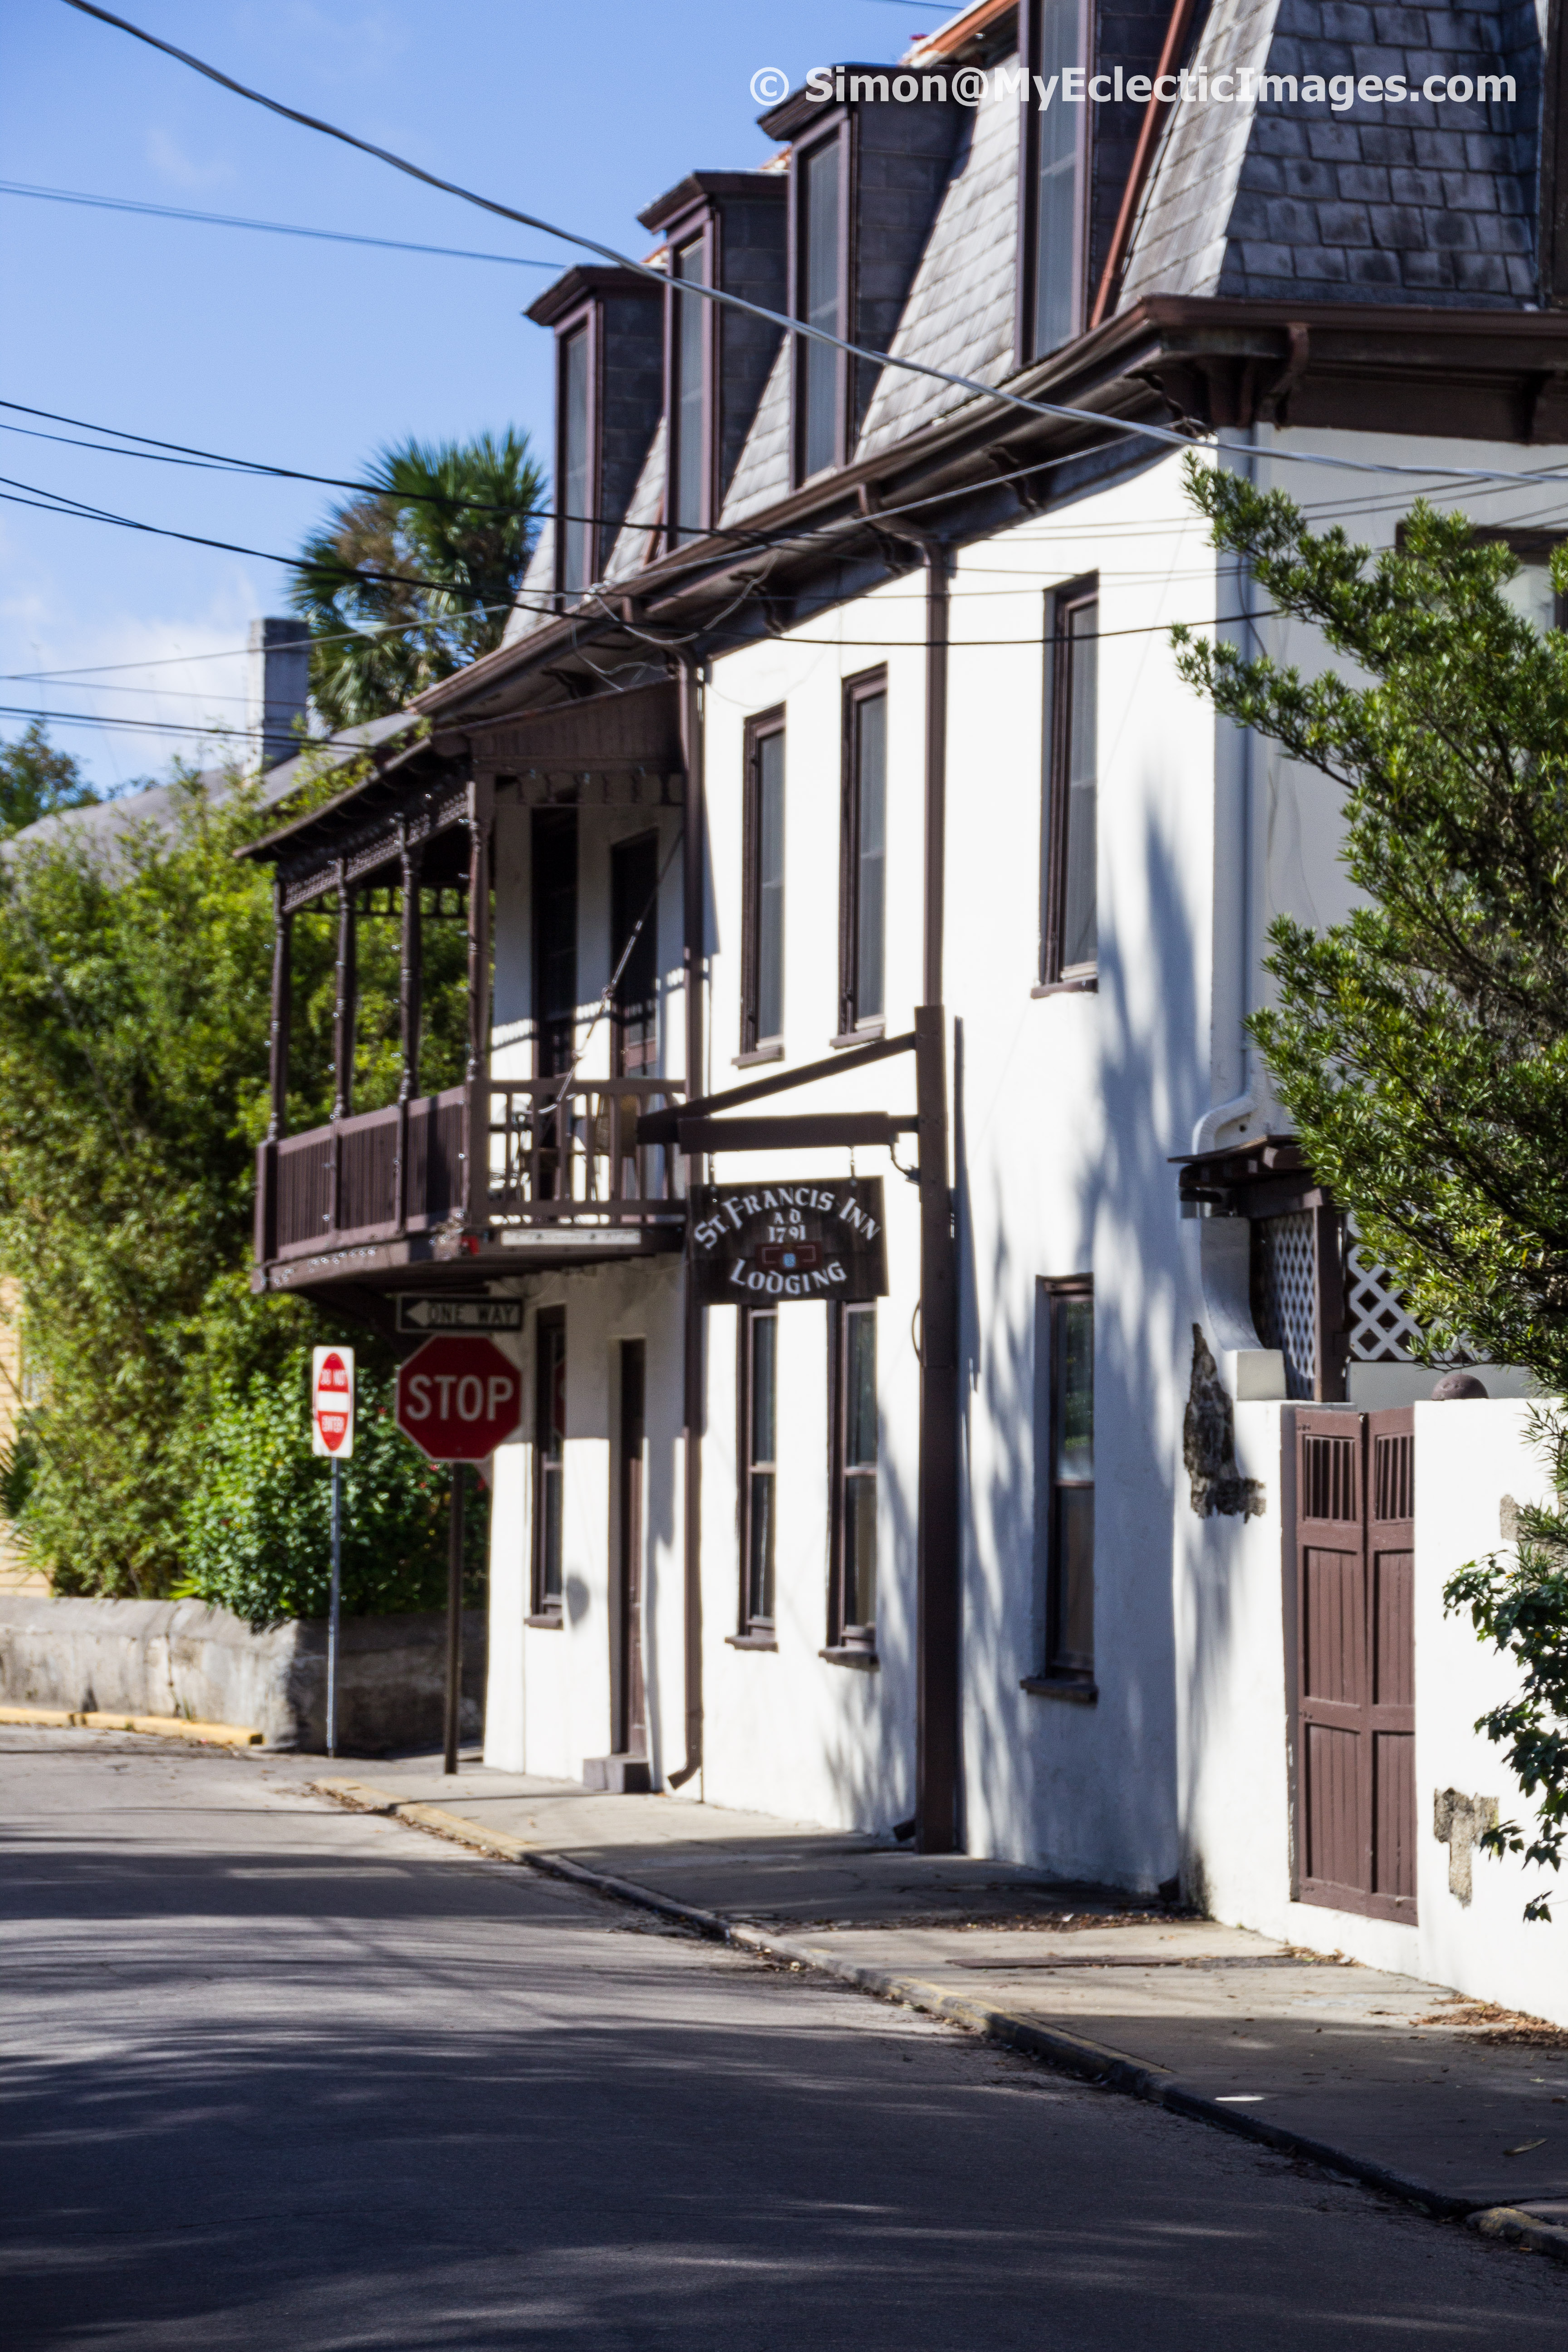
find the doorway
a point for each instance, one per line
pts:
(634, 887)
(628, 1683)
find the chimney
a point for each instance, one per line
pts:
(279, 687)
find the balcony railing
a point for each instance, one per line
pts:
(533, 1152)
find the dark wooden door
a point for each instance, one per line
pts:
(631, 1689)
(1355, 1782)
(633, 889)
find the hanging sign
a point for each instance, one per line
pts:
(332, 1403)
(755, 1244)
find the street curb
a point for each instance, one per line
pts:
(162, 1727)
(1070, 2053)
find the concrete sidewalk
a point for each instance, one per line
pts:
(1402, 2084)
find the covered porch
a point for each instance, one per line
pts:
(493, 1169)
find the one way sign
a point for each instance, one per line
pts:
(459, 1314)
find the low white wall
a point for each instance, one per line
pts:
(1467, 1457)
(1236, 1664)
(181, 1657)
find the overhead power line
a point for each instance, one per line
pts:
(273, 228)
(1129, 426)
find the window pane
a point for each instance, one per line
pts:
(1073, 1643)
(860, 1552)
(1080, 927)
(1075, 1389)
(689, 445)
(764, 1387)
(819, 439)
(550, 1536)
(860, 1389)
(770, 885)
(759, 1550)
(577, 534)
(1056, 268)
(871, 787)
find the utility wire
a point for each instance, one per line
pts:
(274, 229)
(1163, 435)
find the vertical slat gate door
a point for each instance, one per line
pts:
(1355, 1786)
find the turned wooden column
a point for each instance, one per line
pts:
(282, 1010)
(477, 1098)
(411, 972)
(343, 1013)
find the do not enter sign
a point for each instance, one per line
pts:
(457, 1399)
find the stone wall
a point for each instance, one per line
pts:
(181, 1658)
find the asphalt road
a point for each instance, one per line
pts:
(279, 2076)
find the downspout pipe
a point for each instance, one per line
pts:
(693, 947)
(1233, 943)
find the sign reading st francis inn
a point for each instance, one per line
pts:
(756, 1244)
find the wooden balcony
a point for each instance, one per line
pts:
(544, 1164)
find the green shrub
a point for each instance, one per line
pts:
(257, 1518)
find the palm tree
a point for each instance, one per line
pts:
(413, 577)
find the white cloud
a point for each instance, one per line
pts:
(182, 171)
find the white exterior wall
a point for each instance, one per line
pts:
(1068, 1110)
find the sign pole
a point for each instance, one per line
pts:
(335, 1615)
(455, 1619)
(332, 1434)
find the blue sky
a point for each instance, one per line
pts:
(307, 355)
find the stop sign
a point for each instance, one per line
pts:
(458, 1398)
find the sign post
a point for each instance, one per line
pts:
(332, 1434)
(457, 1399)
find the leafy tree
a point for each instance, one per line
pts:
(258, 1523)
(36, 781)
(1421, 1046)
(406, 584)
(134, 1009)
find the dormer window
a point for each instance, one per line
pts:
(1059, 158)
(689, 443)
(724, 229)
(820, 302)
(609, 383)
(866, 174)
(573, 523)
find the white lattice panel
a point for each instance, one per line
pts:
(1380, 1330)
(1285, 1293)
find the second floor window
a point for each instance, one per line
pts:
(762, 954)
(576, 526)
(549, 1459)
(820, 304)
(1069, 927)
(688, 403)
(1056, 134)
(863, 899)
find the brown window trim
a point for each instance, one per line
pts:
(1078, 1693)
(1054, 1679)
(751, 1641)
(749, 1629)
(846, 1644)
(552, 1621)
(1025, 353)
(754, 1048)
(547, 1609)
(700, 226)
(837, 127)
(774, 1053)
(1087, 985)
(1053, 973)
(864, 688)
(588, 318)
(838, 1655)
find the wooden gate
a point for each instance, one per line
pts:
(1355, 1652)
